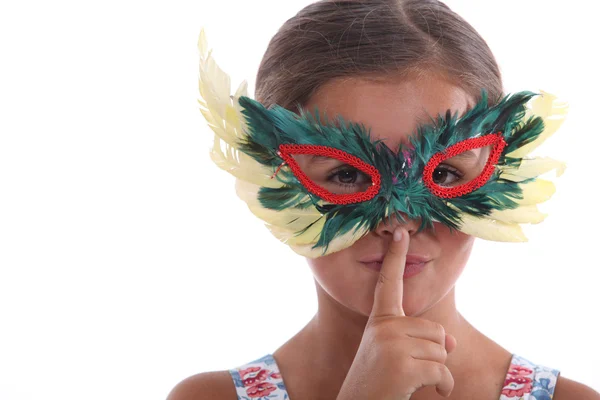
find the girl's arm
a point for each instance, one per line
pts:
(567, 389)
(215, 385)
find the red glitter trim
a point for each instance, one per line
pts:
(449, 192)
(286, 151)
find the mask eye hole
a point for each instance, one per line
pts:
(332, 174)
(463, 167)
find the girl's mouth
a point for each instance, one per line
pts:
(411, 268)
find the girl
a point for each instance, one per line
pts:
(387, 325)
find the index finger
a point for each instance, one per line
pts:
(389, 291)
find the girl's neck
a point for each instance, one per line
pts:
(322, 352)
(336, 332)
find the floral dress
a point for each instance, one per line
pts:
(261, 380)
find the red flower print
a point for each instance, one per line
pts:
(261, 389)
(244, 372)
(517, 386)
(255, 378)
(261, 376)
(519, 370)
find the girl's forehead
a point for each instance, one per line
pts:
(391, 109)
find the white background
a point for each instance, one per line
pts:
(126, 261)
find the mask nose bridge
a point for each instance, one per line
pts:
(398, 207)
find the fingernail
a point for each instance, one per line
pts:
(397, 235)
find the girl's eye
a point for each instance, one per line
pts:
(347, 176)
(333, 175)
(350, 180)
(444, 175)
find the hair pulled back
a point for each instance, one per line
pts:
(373, 39)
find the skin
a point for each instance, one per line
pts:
(345, 288)
(315, 362)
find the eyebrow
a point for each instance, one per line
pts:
(466, 155)
(317, 158)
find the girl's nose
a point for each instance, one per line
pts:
(388, 225)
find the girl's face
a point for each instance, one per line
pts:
(393, 109)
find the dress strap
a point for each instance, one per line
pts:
(259, 380)
(527, 381)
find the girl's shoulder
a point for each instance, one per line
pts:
(256, 379)
(525, 380)
(205, 385)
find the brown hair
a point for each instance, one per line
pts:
(373, 38)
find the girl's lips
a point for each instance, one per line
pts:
(410, 269)
(410, 258)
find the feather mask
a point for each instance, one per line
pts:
(320, 185)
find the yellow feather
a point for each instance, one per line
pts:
(220, 109)
(215, 87)
(223, 114)
(337, 244)
(242, 90)
(536, 192)
(503, 225)
(310, 236)
(202, 43)
(291, 220)
(531, 168)
(242, 166)
(552, 111)
(521, 215)
(490, 229)
(286, 223)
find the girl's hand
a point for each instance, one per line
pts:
(397, 354)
